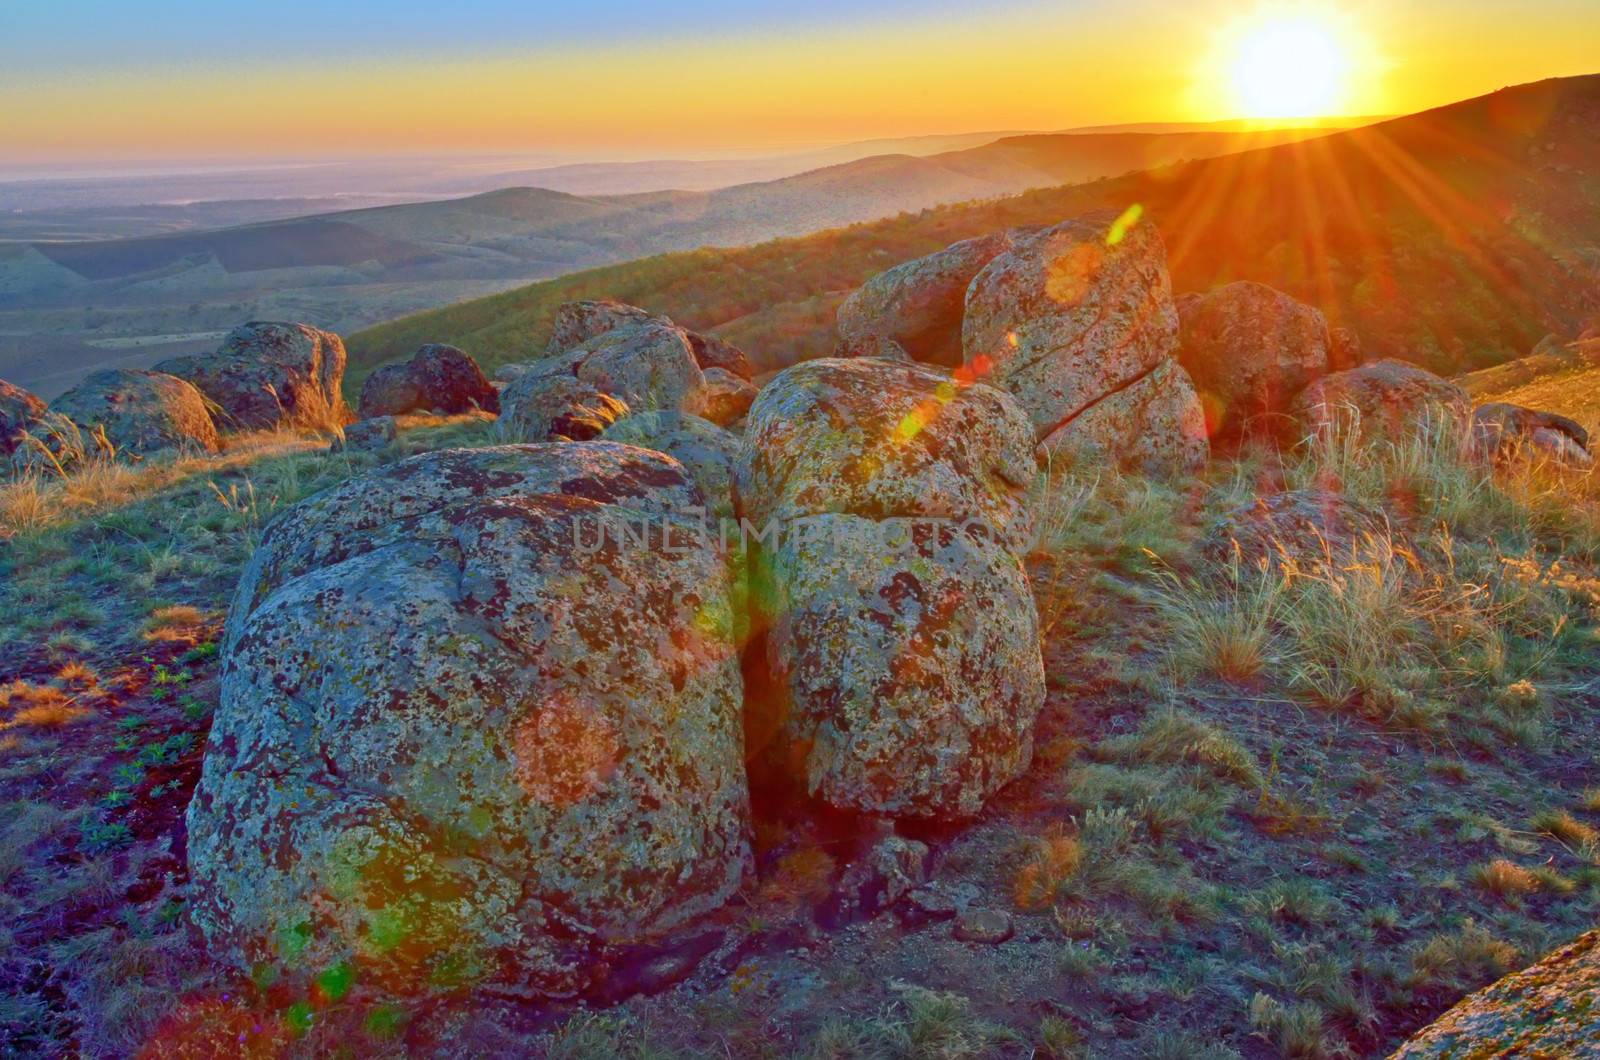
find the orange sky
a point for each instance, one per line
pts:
(1014, 66)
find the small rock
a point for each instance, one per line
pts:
(889, 869)
(987, 926)
(366, 436)
(927, 903)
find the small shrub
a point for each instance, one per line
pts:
(1054, 859)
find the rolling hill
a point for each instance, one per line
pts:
(60, 303)
(1456, 238)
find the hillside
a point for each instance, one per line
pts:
(72, 302)
(1456, 238)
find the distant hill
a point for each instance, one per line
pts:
(1456, 237)
(63, 301)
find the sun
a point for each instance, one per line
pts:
(1288, 66)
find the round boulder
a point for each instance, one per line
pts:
(885, 438)
(904, 660)
(468, 738)
(142, 413)
(723, 398)
(577, 322)
(918, 305)
(1072, 315)
(705, 450)
(269, 375)
(1155, 426)
(438, 378)
(1384, 399)
(1249, 350)
(1502, 430)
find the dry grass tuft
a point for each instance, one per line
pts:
(1568, 829)
(1505, 878)
(800, 876)
(1052, 862)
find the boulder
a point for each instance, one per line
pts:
(636, 368)
(1384, 399)
(438, 378)
(1078, 315)
(269, 375)
(1344, 349)
(872, 346)
(1249, 350)
(142, 413)
(904, 664)
(918, 305)
(1155, 426)
(1501, 430)
(1301, 527)
(369, 435)
(881, 439)
(723, 398)
(705, 450)
(19, 411)
(1547, 1010)
(713, 353)
(1067, 317)
(579, 322)
(466, 739)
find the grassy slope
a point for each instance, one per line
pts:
(1451, 238)
(1294, 836)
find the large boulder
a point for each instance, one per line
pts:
(267, 375)
(918, 305)
(1387, 399)
(1301, 528)
(886, 438)
(1547, 1010)
(438, 378)
(639, 367)
(723, 398)
(705, 450)
(579, 322)
(1249, 350)
(142, 413)
(467, 735)
(1073, 316)
(905, 665)
(20, 411)
(1501, 430)
(903, 671)
(1154, 426)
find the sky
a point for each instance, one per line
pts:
(118, 80)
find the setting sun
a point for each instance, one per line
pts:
(1288, 66)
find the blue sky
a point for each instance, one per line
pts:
(61, 35)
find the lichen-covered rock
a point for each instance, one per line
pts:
(1155, 426)
(1300, 527)
(466, 739)
(713, 353)
(904, 660)
(1547, 1010)
(438, 378)
(705, 450)
(723, 398)
(872, 346)
(918, 305)
(1384, 399)
(1249, 350)
(368, 435)
(882, 438)
(19, 411)
(577, 322)
(1344, 349)
(268, 375)
(1502, 430)
(575, 394)
(142, 413)
(1072, 314)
